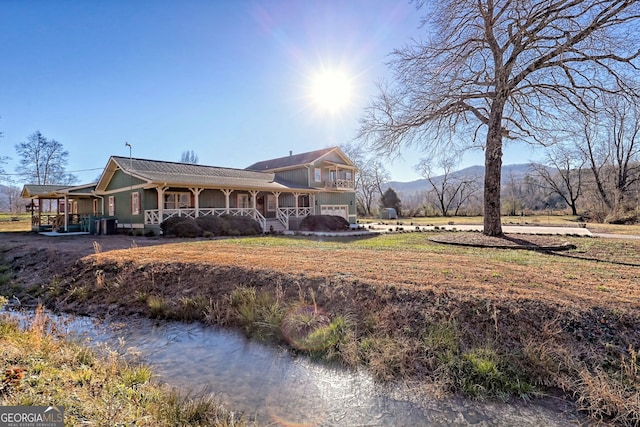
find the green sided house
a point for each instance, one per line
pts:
(139, 194)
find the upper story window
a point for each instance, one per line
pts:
(317, 174)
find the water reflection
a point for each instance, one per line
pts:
(280, 389)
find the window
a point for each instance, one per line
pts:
(135, 203)
(303, 201)
(318, 174)
(243, 201)
(271, 203)
(348, 176)
(112, 205)
(175, 200)
(332, 174)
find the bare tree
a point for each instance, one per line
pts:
(370, 178)
(492, 70)
(43, 161)
(565, 177)
(3, 161)
(612, 149)
(451, 192)
(189, 156)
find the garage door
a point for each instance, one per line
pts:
(337, 210)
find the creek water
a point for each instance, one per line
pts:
(277, 388)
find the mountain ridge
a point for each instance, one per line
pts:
(516, 171)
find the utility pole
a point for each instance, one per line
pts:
(130, 190)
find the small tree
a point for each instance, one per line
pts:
(390, 199)
(565, 179)
(189, 156)
(371, 176)
(451, 191)
(3, 161)
(43, 161)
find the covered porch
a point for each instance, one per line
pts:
(57, 209)
(279, 210)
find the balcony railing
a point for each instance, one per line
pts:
(340, 184)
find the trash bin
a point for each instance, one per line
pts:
(108, 226)
(96, 227)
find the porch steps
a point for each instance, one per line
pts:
(276, 224)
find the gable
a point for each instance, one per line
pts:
(305, 160)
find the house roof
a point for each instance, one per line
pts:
(32, 191)
(43, 191)
(186, 174)
(296, 160)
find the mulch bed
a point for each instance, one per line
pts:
(506, 241)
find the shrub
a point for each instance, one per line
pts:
(180, 227)
(622, 218)
(228, 225)
(215, 225)
(243, 224)
(324, 223)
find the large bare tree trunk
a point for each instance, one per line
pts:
(493, 173)
(492, 177)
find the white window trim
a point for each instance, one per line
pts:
(111, 203)
(135, 203)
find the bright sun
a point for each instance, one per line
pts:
(331, 91)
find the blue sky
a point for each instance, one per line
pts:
(229, 79)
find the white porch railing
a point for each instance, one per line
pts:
(152, 216)
(296, 211)
(283, 214)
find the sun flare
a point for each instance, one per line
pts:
(331, 90)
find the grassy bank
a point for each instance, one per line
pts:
(15, 222)
(42, 368)
(486, 323)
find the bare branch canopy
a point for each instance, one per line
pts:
(493, 70)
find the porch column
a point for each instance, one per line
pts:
(66, 213)
(254, 196)
(161, 191)
(295, 196)
(227, 193)
(196, 195)
(277, 194)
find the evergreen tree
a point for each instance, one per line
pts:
(390, 199)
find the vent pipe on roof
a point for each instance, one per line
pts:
(290, 153)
